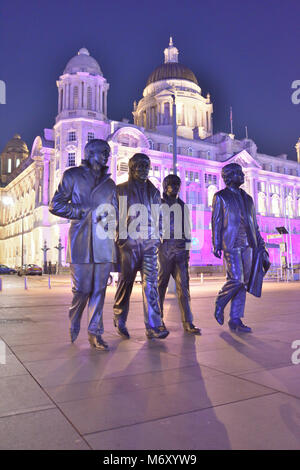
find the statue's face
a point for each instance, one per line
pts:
(173, 188)
(98, 156)
(140, 171)
(237, 177)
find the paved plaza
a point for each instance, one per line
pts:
(217, 391)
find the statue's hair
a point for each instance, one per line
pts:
(137, 157)
(228, 171)
(92, 144)
(169, 179)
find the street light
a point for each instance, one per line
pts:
(174, 116)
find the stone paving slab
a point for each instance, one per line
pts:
(20, 394)
(39, 430)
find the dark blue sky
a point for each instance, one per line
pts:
(244, 52)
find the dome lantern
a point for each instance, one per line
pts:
(171, 52)
(154, 111)
(82, 88)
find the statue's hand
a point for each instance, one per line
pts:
(217, 253)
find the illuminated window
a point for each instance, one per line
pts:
(275, 205)
(18, 161)
(211, 190)
(9, 165)
(289, 206)
(71, 159)
(210, 179)
(261, 203)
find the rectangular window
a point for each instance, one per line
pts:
(9, 165)
(72, 136)
(90, 136)
(210, 179)
(71, 159)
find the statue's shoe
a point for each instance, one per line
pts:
(219, 315)
(158, 333)
(97, 342)
(238, 326)
(121, 329)
(74, 332)
(190, 328)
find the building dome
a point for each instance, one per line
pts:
(172, 70)
(16, 145)
(83, 62)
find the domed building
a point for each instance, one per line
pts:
(193, 111)
(14, 153)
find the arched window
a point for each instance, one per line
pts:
(261, 203)
(275, 205)
(190, 152)
(170, 148)
(298, 207)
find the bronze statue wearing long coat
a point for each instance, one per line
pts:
(236, 233)
(80, 193)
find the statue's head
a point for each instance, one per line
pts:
(171, 185)
(139, 166)
(233, 175)
(96, 153)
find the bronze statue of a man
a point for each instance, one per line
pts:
(235, 231)
(138, 240)
(81, 192)
(174, 251)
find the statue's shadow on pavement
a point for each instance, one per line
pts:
(262, 353)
